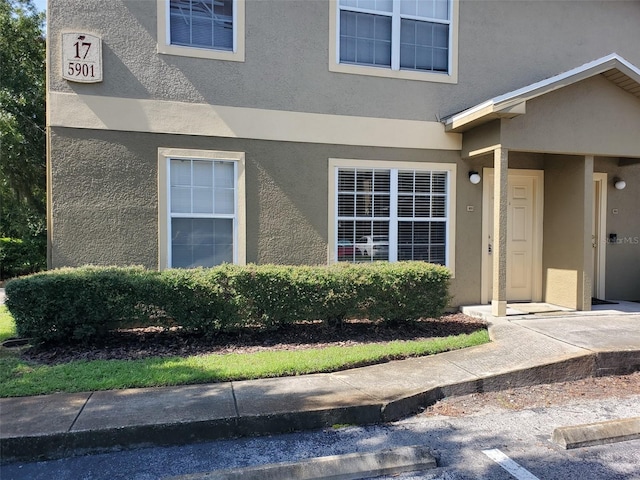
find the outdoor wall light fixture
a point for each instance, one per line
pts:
(474, 177)
(619, 183)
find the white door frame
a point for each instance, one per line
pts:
(538, 210)
(600, 227)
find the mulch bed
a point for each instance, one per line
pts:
(155, 342)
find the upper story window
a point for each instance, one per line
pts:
(412, 39)
(202, 28)
(202, 23)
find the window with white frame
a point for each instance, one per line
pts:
(396, 34)
(392, 214)
(201, 23)
(212, 29)
(203, 212)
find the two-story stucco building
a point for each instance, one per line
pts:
(489, 136)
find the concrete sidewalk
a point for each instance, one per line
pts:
(525, 351)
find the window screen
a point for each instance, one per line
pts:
(202, 209)
(202, 23)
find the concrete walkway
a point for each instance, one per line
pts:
(525, 350)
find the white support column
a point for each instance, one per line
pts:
(501, 166)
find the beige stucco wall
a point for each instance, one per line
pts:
(503, 45)
(593, 116)
(567, 231)
(481, 139)
(105, 199)
(104, 192)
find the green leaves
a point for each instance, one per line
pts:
(22, 120)
(89, 302)
(18, 257)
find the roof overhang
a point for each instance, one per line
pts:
(613, 67)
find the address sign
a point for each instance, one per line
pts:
(81, 57)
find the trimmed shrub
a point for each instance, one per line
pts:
(200, 300)
(76, 304)
(405, 291)
(88, 302)
(268, 295)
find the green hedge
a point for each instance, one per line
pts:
(19, 257)
(88, 302)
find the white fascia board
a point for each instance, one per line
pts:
(567, 78)
(509, 99)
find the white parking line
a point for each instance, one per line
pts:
(509, 465)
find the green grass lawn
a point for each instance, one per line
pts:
(20, 378)
(7, 325)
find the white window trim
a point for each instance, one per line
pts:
(451, 168)
(164, 212)
(424, 76)
(164, 36)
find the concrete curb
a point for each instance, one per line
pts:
(60, 445)
(336, 467)
(600, 433)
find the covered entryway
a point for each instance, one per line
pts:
(579, 130)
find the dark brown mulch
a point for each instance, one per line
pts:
(154, 342)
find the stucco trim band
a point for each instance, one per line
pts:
(158, 116)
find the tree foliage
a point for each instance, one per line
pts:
(22, 121)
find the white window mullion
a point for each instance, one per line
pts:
(364, 10)
(395, 37)
(191, 189)
(191, 23)
(393, 216)
(203, 215)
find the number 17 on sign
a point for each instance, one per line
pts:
(81, 57)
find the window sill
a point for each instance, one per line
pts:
(201, 53)
(422, 76)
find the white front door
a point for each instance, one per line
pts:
(524, 235)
